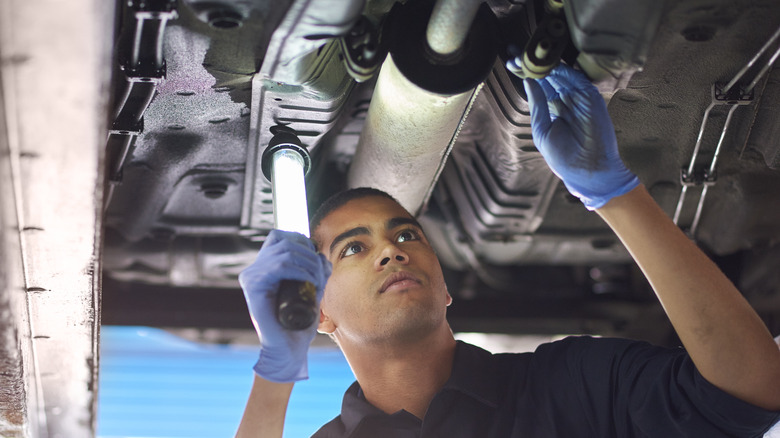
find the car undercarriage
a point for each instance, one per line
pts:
(450, 138)
(424, 99)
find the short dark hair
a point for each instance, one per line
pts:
(341, 198)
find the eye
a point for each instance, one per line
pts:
(407, 235)
(352, 248)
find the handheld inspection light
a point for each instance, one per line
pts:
(285, 163)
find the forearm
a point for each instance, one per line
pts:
(726, 339)
(265, 410)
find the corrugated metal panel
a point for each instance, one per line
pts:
(154, 384)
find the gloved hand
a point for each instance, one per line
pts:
(576, 137)
(284, 256)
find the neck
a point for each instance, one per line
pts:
(403, 375)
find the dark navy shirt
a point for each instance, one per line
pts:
(577, 387)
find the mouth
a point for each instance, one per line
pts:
(399, 280)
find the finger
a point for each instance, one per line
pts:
(549, 91)
(584, 101)
(578, 103)
(285, 260)
(553, 99)
(277, 235)
(327, 268)
(557, 109)
(540, 114)
(563, 88)
(575, 84)
(299, 264)
(574, 78)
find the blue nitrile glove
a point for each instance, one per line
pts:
(285, 255)
(576, 137)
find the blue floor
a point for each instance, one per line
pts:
(154, 384)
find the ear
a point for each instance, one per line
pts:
(449, 297)
(326, 325)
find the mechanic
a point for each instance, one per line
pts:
(385, 306)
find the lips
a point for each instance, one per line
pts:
(399, 278)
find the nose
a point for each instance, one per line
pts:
(391, 253)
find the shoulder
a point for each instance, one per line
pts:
(472, 360)
(586, 347)
(569, 350)
(332, 429)
(579, 359)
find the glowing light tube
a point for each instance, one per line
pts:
(289, 191)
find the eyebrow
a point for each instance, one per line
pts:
(398, 221)
(357, 231)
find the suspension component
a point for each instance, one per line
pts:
(544, 49)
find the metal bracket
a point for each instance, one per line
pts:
(735, 93)
(705, 176)
(143, 64)
(362, 49)
(144, 60)
(697, 178)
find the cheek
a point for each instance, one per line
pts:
(330, 299)
(437, 279)
(336, 291)
(347, 287)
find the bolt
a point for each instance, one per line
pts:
(214, 190)
(698, 33)
(557, 28)
(543, 49)
(224, 19)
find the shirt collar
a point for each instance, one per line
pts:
(355, 408)
(473, 374)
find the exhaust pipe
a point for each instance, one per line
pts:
(426, 86)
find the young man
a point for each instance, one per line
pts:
(385, 305)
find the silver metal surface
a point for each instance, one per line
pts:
(496, 190)
(711, 170)
(752, 62)
(302, 83)
(764, 70)
(53, 80)
(20, 392)
(406, 138)
(692, 163)
(449, 24)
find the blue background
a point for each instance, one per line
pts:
(154, 384)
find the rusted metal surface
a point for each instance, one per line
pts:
(13, 405)
(53, 73)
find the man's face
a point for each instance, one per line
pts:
(387, 283)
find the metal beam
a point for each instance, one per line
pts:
(54, 74)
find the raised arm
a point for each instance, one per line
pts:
(725, 338)
(265, 410)
(284, 256)
(727, 341)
